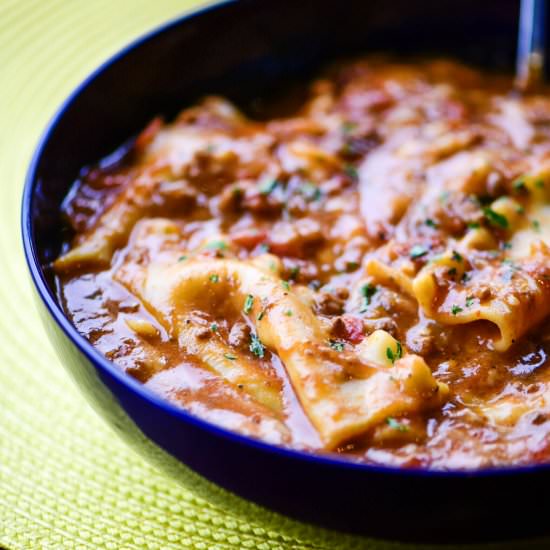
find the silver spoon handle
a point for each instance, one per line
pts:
(531, 44)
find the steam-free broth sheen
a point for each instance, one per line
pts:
(369, 276)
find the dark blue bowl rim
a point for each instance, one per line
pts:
(109, 368)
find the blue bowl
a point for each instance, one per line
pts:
(246, 50)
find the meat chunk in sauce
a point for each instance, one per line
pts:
(369, 276)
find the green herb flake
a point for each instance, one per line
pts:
(393, 423)
(495, 218)
(456, 256)
(417, 251)
(261, 315)
(288, 313)
(444, 197)
(351, 171)
(399, 351)
(294, 272)
(216, 245)
(519, 185)
(248, 303)
(214, 327)
(286, 285)
(310, 191)
(268, 186)
(348, 127)
(368, 291)
(394, 356)
(430, 223)
(263, 248)
(520, 210)
(473, 225)
(182, 258)
(215, 278)
(455, 309)
(536, 225)
(256, 347)
(335, 345)
(469, 301)
(230, 356)
(452, 272)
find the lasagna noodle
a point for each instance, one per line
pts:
(340, 406)
(514, 297)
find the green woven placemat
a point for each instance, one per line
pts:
(66, 480)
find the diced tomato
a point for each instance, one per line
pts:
(353, 328)
(248, 238)
(148, 134)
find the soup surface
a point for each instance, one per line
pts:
(369, 276)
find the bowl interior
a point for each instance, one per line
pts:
(244, 52)
(250, 52)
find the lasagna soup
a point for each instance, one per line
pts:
(367, 276)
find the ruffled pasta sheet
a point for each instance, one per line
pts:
(165, 178)
(466, 283)
(344, 391)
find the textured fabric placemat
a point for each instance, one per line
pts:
(66, 480)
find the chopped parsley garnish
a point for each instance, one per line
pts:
(310, 191)
(285, 284)
(367, 291)
(351, 171)
(248, 303)
(469, 301)
(263, 248)
(506, 246)
(261, 315)
(394, 356)
(393, 423)
(214, 278)
(452, 272)
(230, 356)
(214, 327)
(294, 272)
(348, 127)
(399, 350)
(465, 277)
(495, 218)
(519, 185)
(288, 313)
(539, 184)
(536, 225)
(417, 251)
(335, 345)
(268, 186)
(456, 256)
(455, 309)
(216, 245)
(473, 225)
(181, 258)
(256, 347)
(430, 223)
